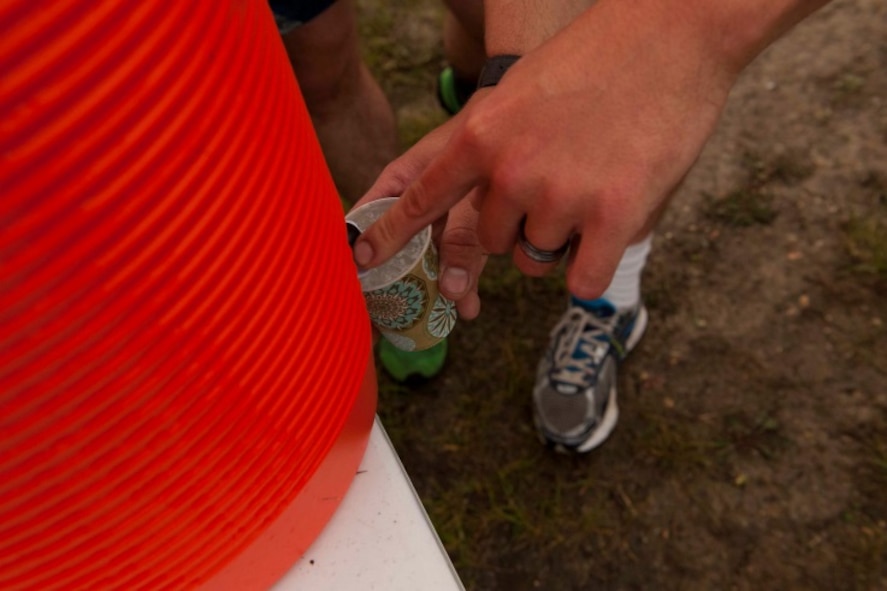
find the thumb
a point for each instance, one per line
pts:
(462, 259)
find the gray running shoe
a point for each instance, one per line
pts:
(574, 399)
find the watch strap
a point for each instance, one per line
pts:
(494, 69)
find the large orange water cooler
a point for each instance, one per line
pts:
(186, 386)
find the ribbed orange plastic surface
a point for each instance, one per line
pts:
(182, 335)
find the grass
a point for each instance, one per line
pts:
(743, 207)
(864, 549)
(863, 545)
(847, 89)
(674, 442)
(747, 434)
(848, 84)
(751, 203)
(865, 239)
(871, 476)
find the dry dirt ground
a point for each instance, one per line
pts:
(752, 447)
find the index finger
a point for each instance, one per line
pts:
(446, 180)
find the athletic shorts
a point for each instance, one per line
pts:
(289, 14)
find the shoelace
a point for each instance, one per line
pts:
(584, 333)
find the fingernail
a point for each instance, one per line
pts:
(454, 280)
(363, 253)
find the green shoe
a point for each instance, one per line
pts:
(452, 91)
(405, 365)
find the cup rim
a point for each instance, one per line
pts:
(425, 234)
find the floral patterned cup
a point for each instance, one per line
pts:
(402, 296)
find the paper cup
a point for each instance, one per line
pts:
(402, 295)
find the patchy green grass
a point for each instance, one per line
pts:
(673, 442)
(743, 207)
(760, 435)
(865, 234)
(751, 203)
(848, 83)
(867, 245)
(864, 547)
(864, 552)
(871, 476)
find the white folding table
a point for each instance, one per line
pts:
(380, 537)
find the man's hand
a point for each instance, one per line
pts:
(585, 137)
(461, 257)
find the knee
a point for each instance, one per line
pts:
(325, 56)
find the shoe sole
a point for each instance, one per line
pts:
(611, 415)
(637, 331)
(608, 423)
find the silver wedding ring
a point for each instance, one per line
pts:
(537, 254)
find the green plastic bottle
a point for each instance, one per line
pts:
(405, 365)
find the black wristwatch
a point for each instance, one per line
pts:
(494, 69)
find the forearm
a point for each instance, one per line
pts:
(518, 26)
(742, 29)
(732, 32)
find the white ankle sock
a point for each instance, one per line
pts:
(625, 288)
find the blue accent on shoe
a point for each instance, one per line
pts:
(598, 306)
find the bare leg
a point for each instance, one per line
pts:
(352, 117)
(463, 39)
